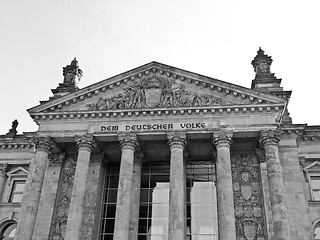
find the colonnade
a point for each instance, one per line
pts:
(128, 197)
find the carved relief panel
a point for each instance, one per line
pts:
(63, 199)
(248, 199)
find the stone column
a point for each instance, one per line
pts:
(3, 175)
(270, 140)
(128, 144)
(32, 192)
(227, 229)
(86, 144)
(177, 194)
(48, 197)
(135, 205)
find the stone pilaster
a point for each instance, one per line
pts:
(85, 144)
(270, 140)
(91, 216)
(33, 188)
(265, 189)
(135, 205)
(177, 194)
(3, 170)
(227, 230)
(128, 144)
(48, 197)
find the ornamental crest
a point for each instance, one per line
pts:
(250, 230)
(246, 191)
(248, 201)
(154, 92)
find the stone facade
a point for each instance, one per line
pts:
(84, 174)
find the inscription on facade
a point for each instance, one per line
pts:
(153, 127)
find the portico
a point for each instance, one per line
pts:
(158, 153)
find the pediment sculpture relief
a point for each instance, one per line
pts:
(155, 92)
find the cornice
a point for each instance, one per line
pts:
(260, 108)
(155, 68)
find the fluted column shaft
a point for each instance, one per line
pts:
(3, 170)
(85, 146)
(135, 205)
(128, 144)
(227, 230)
(270, 140)
(177, 192)
(32, 192)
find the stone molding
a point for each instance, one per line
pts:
(270, 137)
(177, 139)
(44, 144)
(222, 138)
(252, 108)
(86, 142)
(128, 140)
(56, 159)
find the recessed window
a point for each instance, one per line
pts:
(17, 190)
(9, 231)
(315, 187)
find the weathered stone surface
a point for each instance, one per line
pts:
(128, 144)
(177, 192)
(270, 140)
(226, 214)
(29, 207)
(85, 145)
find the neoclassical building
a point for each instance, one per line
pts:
(161, 153)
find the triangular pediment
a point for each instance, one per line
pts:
(313, 167)
(156, 86)
(18, 171)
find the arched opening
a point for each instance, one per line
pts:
(8, 230)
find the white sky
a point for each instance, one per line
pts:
(216, 38)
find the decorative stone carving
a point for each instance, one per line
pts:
(248, 199)
(56, 159)
(13, 131)
(86, 141)
(44, 144)
(222, 138)
(177, 139)
(72, 73)
(63, 199)
(260, 154)
(129, 140)
(3, 167)
(270, 137)
(155, 92)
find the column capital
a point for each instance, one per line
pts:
(86, 142)
(128, 140)
(44, 143)
(270, 137)
(177, 139)
(56, 159)
(222, 138)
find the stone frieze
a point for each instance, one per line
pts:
(154, 92)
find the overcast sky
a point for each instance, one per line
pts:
(216, 38)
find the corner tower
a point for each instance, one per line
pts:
(266, 81)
